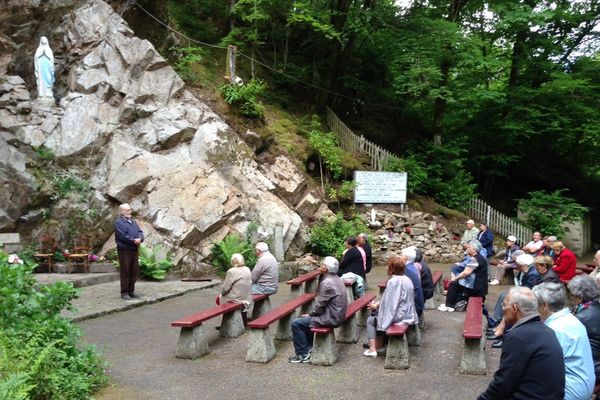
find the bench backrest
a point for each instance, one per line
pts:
(382, 285)
(473, 320)
(358, 304)
(275, 314)
(436, 276)
(299, 280)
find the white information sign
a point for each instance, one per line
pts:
(380, 187)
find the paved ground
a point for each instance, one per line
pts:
(140, 347)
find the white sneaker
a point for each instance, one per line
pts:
(369, 353)
(494, 282)
(449, 309)
(442, 307)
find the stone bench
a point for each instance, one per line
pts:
(396, 354)
(193, 342)
(473, 357)
(433, 302)
(261, 348)
(324, 350)
(305, 283)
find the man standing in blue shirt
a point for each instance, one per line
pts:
(572, 336)
(128, 236)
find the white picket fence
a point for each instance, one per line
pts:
(481, 211)
(356, 144)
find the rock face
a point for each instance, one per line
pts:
(127, 120)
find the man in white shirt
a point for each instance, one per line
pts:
(535, 245)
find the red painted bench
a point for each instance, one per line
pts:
(261, 347)
(473, 357)
(324, 348)
(192, 338)
(305, 283)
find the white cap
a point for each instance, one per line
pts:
(511, 238)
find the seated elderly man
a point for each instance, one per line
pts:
(329, 311)
(535, 245)
(265, 275)
(546, 249)
(531, 365)
(573, 339)
(585, 306)
(507, 262)
(469, 234)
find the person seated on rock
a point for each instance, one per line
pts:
(237, 286)
(535, 245)
(543, 265)
(426, 275)
(565, 262)
(265, 274)
(409, 254)
(585, 306)
(469, 234)
(506, 263)
(573, 339)
(395, 307)
(329, 311)
(472, 281)
(546, 249)
(353, 260)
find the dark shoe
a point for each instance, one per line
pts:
(494, 337)
(299, 359)
(497, 344)
(134, 296)
(489, 331)
(126, 297)
(366, 345)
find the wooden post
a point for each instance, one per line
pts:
(230, 63)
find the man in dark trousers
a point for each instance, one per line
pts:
(531, 365)
(128, 236)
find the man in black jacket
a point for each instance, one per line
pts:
(532, 364)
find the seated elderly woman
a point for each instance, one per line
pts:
(237, 287)
(585, 306)
(565, 262)
(471, 282)
(397, 306)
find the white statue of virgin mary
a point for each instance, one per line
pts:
(44, 68)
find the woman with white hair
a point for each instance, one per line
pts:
(585, 306)
(237, 287)
(471, 282)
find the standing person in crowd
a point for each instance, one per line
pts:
(469, 234)
(128, 237)
(585, 306)
(329, 311)
(472, 280)
(409, 254)
(363, 243)
(565, 262)
(353, 260)
(237, 286)
(486, 238)
(426, 275)
(573, 339)
(265, 275)
(531, 365)
(535, 245)
(396, 306)
(507, 262)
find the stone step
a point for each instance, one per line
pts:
(77, 279)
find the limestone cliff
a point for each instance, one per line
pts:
(126, 124)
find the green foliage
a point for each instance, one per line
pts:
(328, 236)
(154, 262)
(66, 183)
(325, 144)
(186, 58)
(40, 357)
(343, 192)
(44, 153)
(415, 169)
(245, 97)
(222, 251)
(549, 211)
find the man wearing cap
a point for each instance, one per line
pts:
(507, 261)
(469, 234)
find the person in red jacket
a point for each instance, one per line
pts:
(565, 262)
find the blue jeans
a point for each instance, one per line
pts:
(303, 337)
(260, 289)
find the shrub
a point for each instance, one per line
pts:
(327, 237)
(549, 211)
(67, 182)
(155, 262)
(416, 171)
(40, 357)
(222, 251)
(186, 58)
(245, 97)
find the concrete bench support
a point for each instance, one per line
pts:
(324, 350)
(232, 325)
(284, 326)
(261, 347)
(473, 357)
(413, 336)
(348, 331)
(192, 343)
(363, 314)
(396, 356)
(261, 307)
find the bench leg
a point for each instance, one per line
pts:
(437, 294)
(363, 314)
(261, 348)
(284, 326)
(260, 308)
(473, 357)
(348, 331)
(311, 286)
(192, 343)
(422, 321)
(232, 324)
(296, 290)
(307, 308)
(413, 335)
(430, 303)
(396, 356)
(349, 294)
(324, 350)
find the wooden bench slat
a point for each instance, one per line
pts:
(397, 330)
(383, 284)
(275, 314)
(436, 276)
(473, 319)
(352, 309)
(299, 280)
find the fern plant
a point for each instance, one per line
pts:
(153, 265)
